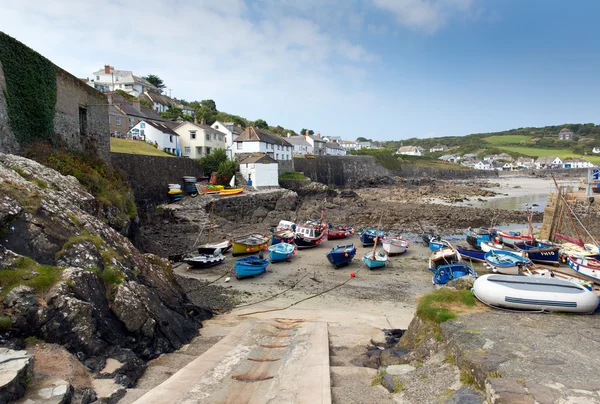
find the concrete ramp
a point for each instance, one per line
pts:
(271, 361)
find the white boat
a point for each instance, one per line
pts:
(534, 294)
(487, 246)
(553, 273)
(394, 245)
(443, 256)
(573, 250)
(588, 267)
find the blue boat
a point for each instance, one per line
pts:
(281, 252)
(540, 253)
(476, 236)
(377, 260)
(471, 253)
(341, 255)
(445, 273)
(250, 266)
(506, 262)
(367, 237)
(437, 243)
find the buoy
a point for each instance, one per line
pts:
(346, 255)
(247, 249)
(353, 275)
(227, 279)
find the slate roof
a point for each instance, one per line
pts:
(259, 158)
(252, 134)
(410, 149)
(333, 145)
(201, 126)
(129, 109)
(297, 141)
(162, 127)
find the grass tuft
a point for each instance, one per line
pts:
(5, 323)
(466, 378)
(293, 176)
(437, 306)
(23, 266)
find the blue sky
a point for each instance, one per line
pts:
(382, 69)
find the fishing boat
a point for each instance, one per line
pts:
(210, 248)
(281, 252)
(476, 236)
(554, 273)
(232, 191)
(377, 259)
(341, 255)
(512, 237)
(285, 225)
(205, 260)
(443, 256)
(368, 236)
(540, 252)
(249, 244)
(471, 254)
(339, 232)
(534, 294)
(436, 243)
(588, 267)
(445, 273)
(487, 246)
(309, 236)
(394, 245)
(250, 266)
(282, 236)
(505, 262)
(573, 250)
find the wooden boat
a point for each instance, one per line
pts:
(281, 252)
(367, 237)
(505, 262)
(205, 260)
(341, 255)
(233, 191)
(309, 235)
(539, 252)
(512, 237)
(443, 256)
(210, 248)
(471, 254)
(587, 267)
(339, 232)
(394, 245)
(250, 266)
(573, 250)
(375, 260)
(249, 244)
(282, 236)
(445, 273)
(534, 293)
(488, 246)
(554, 273)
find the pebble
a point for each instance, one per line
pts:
(399, 369)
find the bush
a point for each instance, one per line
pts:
(212, 162)
(385, 157)
(226, 171)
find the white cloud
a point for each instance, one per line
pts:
(424, 15)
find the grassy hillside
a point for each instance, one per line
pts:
(536, 152)
(508, 139)
(135, 147)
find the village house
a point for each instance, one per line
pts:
(117, 122)
(452, 158)
(261, 169)
(507, 166)
(334, 149)
(160, 103)
(254, 140)
(231, 131)
(525, 162)
(157, 133)
(548, 162)
(411, 151)
(565, 134)
(577, 163)
(482, 165)
(199, 140)
(317, 144)
(301, 146)
(110, 79)
(349, 145)
(470, 156)
(335, 139)
(364, 145)
(596, 150)
(438, 148)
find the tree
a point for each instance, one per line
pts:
(212, 162)
(261, 124)
(210, 104)
(205, 113)
(362, 139)
(172, 113)
(310, 132)
(155, 81)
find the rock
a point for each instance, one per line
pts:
(108, 391)
(465, 395)
(348, 194)
(16, 371)
(30, 275)
(462, 283)
(398, 370)
(51, 392)
(81, 255)
(389, 382)
(392, 356)
(506, 390)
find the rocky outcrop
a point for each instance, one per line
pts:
(16, 370)
(77, 282)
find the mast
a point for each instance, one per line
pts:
(376, 238)
(569, 208)
(211, 221)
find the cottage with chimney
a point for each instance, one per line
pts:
(157, 133)
(231, 131)
(317, 143)
(254, 140)
(199, 140)
(301, 146)
(262, 169)
(565, 134)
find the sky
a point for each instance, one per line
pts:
(380, 69)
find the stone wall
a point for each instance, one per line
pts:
(8, 142)
(260, 207)
(439, 173)
(339, 170)
(557, 173)
(286, 166)
(150, 176)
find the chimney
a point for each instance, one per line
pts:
(106, 69)
(203, 121)
(136, 104)
(195, 119)
(318, 134)
(109, 98)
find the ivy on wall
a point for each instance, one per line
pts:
(30, 90)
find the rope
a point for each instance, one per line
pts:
(275, 295)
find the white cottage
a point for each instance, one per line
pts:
(231, 131)
(199, 140)
(411, 151)
(157, 133)
(301, 146)
(254, 140)
(262, 169)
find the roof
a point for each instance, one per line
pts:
(158, 98)
(409, 149)
(233, 128)
(200, 126)
(129, 109)
(162, 127)
(546, 160)
(565, 130)
(333, 145)
(252, 134)
(259, 159)
(297, 141)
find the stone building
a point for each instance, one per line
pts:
(80, 113)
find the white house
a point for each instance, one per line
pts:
(199, 140)
(110, 79)
(349, 145)
(301, 146)
(548, 162)
(157, 133)
(577, 163)
(317, 144)
(160, 103)
(596, 150)
(525, 162)
(437, 148)
(364, 145)
(565, 134)
(231, 132)
(335, 139)
(452, 158)
(262, 169)
(411, 151)
(254, 140)
(482, 165)
(334, 149)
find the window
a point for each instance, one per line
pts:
(192, 134)
(239, 145)
(198, 150)
(220, 138)
(118, 121)
(207, 151)
(208, 136)
(278, 147)
(97, 77)
(187, 151)
(171, 138)
(142, 132)
(216, 126)
(82, 121)
(142, 125)
(131, 122)
(277, 156)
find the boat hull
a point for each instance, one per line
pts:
(205, 260)
(471, 254)
(505, 262)
(541, 255)
(281, 252)
(367, 239)
(534, 294)
(210, 248)
(443, 256)
(250, 266)
(446, 273)
(341, 255)
(339, 233)
(582, 266)
(394, 246)
(242, 245)
(303, 242)
(379, 261)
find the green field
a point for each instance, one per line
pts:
(135, 147)
(563, 154)
(509, 139)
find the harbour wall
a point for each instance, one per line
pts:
(340, 171)
(150, 176)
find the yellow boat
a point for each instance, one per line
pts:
(249, 244)
(232, 191)
(175, 191)
(213, 189)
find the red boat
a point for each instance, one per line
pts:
(338, 232)
(512, 237)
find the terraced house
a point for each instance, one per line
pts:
(198, 140)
